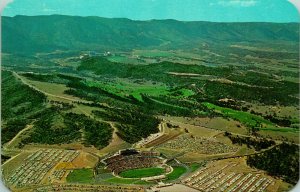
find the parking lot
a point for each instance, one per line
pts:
(36, 166)
(228, 177)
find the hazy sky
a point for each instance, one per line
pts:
(187, 10)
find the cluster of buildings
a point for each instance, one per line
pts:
(94, 53)
(59, 174)
(37, 165)
(203, 145)
(210, 179)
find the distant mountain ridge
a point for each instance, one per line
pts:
(23, 34)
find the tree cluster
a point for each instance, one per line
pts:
(132, 124)
(281, 161)
(56, 127)
(256, 143)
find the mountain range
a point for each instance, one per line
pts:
(31, 34)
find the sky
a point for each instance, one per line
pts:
(184, 10)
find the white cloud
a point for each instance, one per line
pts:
(296, 3)
(3, 3)
(237, 3)
(48, 10)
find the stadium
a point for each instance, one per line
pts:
(131, 163)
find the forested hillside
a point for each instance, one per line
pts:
(20, 104)
(48, 33)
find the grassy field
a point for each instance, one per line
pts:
(168, 152)
(126, 59)
(50, 88)
(128, 181)
(121, 180)
(186, 92)
(83, 109)
(291, 136)
(167, 104)
(281, 129)
(176, 173)
(125, 88)
(115, 145)
(121, 59)
(280, 111)
(13, 163)
(80, 176)
(153, 53)
(194, 166)
(243, 117)
(144, 172)
(203, 126)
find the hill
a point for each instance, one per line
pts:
(30, 34)
(21, 103)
